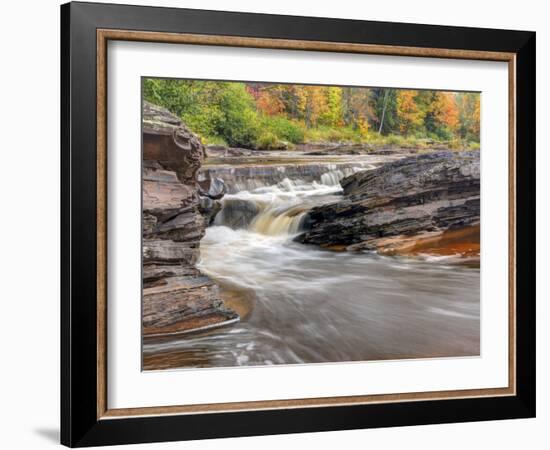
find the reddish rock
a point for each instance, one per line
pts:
(406, 206)
(177, 297)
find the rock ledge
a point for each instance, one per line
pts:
(177, 297)
(416, 204)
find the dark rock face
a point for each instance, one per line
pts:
(177, 297)
(215, 188)
(429, 193)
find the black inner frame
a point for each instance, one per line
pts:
(79, 423)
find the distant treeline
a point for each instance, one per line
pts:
(262, 115)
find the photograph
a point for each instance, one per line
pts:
(287, 221)
(301, 224)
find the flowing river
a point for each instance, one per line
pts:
(303, 304)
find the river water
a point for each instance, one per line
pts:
(303, 304)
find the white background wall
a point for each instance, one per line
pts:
(29, 225)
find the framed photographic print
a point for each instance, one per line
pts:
(277, 224)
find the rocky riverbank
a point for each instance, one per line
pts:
(427, 203)
(177, 297)
(334, 148)
(391, 204)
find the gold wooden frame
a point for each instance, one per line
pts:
(103, 36)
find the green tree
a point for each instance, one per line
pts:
(385, 107)
(271, 115)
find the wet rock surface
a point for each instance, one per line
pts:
(177, 297)
(401, 204)
(257, 174)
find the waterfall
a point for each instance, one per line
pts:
(276, 210)
(259, 216)
(280, 209)
(249, 178)
(276, 222)
(333, 177)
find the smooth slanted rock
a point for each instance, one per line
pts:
(177, 297)
(402, 205)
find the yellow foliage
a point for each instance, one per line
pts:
(363, 125)
(409, 114)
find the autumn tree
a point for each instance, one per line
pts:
(446, 110)
(476, 118)
(269, 100)
(410, 115)
(333, 115)
(316, 104)
(271, 115)
(440, 113)
(358, 108)
(468, 105)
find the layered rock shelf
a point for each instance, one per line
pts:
(247, 178)
(177, 297)
(427, 203)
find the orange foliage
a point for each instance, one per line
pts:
(314, 103)
(269, 103)
(446, 109)
(476, 118)
(408, 112)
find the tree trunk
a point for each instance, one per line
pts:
(383, 110)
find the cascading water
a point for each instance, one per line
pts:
(242, 178)
(275, 222)
(334, 176)
(276, 210)
(302, 304)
